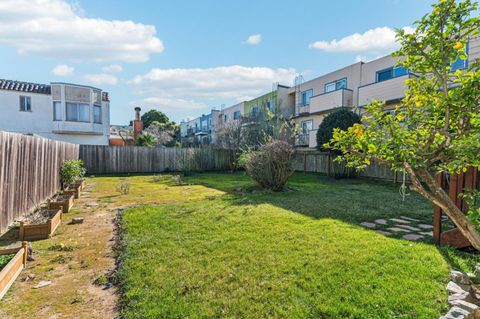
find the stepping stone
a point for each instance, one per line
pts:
(412, 237)
(382, 232)
(427, 233)
(91, 205)
(400, 221)
(410, 219)
(368, 225)
(425, 226)
(397, 230)
(381, 221)
(409, 227)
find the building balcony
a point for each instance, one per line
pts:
(302, 139)
(390, 91)
(327, 101)
(68, 127)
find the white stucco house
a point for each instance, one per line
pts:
(61, 111)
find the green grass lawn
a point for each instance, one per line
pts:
(299, 254)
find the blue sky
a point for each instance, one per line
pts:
(185, 57)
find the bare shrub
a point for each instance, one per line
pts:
(270, 165)
(123, 186)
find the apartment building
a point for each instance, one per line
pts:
(201, 130)
(354, 87)
(316, 98)
(278, 101)
(230, 114)
(61, 111)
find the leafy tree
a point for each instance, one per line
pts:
(165, 133)
(437, 125)
(341, 119)
(146, 139)
(154, 115)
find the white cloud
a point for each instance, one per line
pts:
(373, 40)
(254, 39)
(101, 79)
(196, 88)
(112, 68)
(63, 70)
(56, 28)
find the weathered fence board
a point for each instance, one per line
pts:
(131, 159)
(321, 162)
(29, 172)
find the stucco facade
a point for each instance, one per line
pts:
(65, 112)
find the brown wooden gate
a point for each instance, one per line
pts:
(454, 184)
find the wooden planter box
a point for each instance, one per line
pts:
(73, 190)
(81, 183)
(63, 202)
(14, 267)
(41, 231)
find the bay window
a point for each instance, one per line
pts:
(78, 112)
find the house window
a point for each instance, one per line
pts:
(57, 111)
(307, 126)
(255, 110)
(77, 112)
(204, 125)
(236, 115)
(271, 106)
(306, 96)
(97, 114)
(25, 104)
(391, 73)
(336, 85)
(225, 118)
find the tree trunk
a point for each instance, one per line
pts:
(439, 197)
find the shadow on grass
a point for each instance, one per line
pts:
(352, 201)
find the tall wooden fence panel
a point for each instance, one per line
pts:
(321, 162)
(132, 159)
(29, 172)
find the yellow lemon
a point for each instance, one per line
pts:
(458, 46)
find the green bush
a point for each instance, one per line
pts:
(146, 139)
(341, 119)
(71, 172)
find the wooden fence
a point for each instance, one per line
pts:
(321, 162)
(131, 159)
(29, 172)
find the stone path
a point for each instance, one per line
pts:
(405, 227)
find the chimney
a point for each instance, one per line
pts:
(137, 124)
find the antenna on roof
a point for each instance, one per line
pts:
(298, 90)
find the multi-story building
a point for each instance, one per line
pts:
(229, 115)
(278, 101)
(316, 98)
(201, 130)
(354, 87)
(61, 111)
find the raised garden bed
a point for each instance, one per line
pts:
(12, 262)
(73, 190)
(42, 226)
(63, 202)
(80, 183)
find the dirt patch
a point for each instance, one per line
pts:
(71, 260)
(79, 254)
